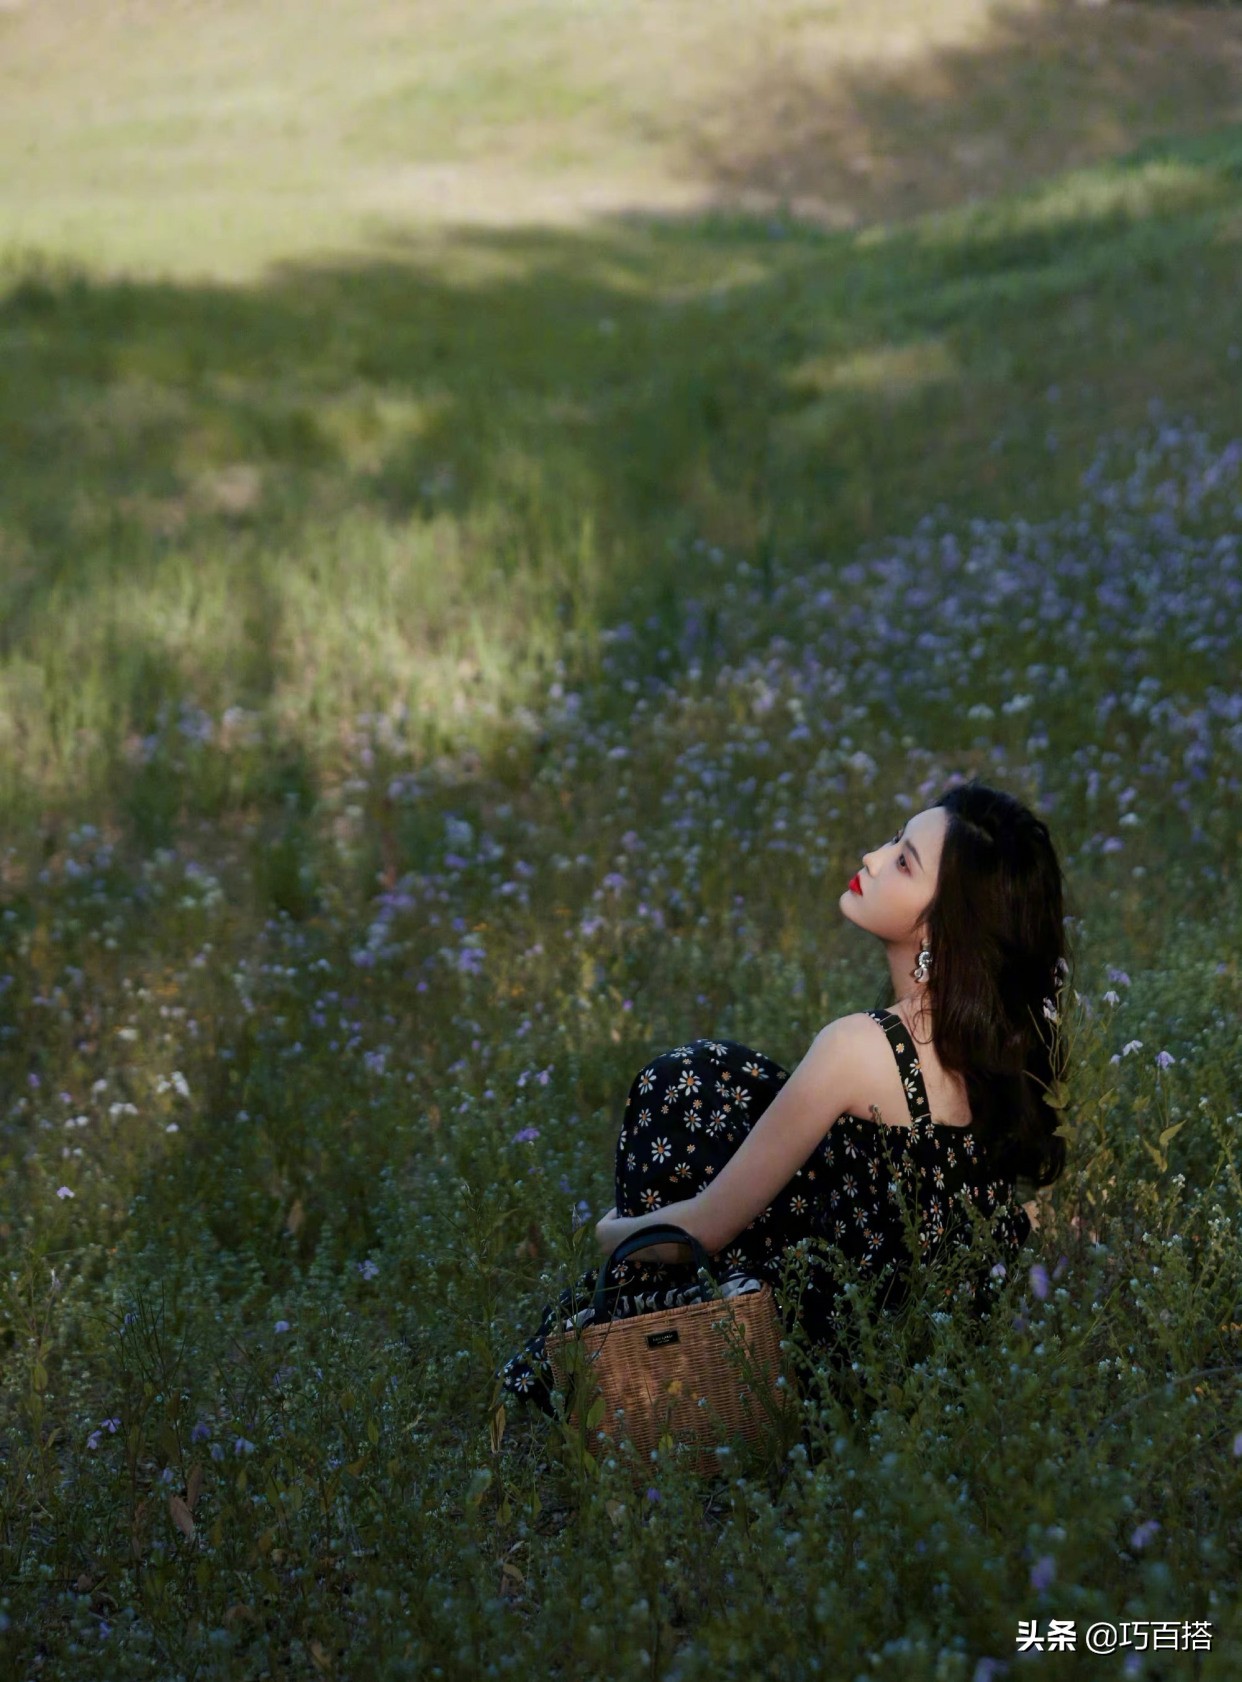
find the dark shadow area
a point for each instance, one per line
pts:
(922, 127)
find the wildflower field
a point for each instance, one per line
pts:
(439, 673)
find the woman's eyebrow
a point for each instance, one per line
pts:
(913, 849)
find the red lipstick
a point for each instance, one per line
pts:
(855, 885)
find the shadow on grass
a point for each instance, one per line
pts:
(916, 125)
(450, 453)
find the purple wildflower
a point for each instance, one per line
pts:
(988, 1668)
(1043, 1573)
(109, 1425)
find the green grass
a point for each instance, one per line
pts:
(379, 587)
(466, 472)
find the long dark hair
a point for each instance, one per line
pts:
(996, 932)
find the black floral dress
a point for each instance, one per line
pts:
(687, 1112)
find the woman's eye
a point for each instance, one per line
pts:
(901, 860)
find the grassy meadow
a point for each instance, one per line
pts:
(494, 521)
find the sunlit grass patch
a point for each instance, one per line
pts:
(886, 367)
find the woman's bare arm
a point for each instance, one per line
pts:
(822, 1087)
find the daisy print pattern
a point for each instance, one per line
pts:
(849, 1193)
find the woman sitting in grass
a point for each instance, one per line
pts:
(916, 1111)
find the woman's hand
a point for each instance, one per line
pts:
(612, 1229)
(606, 1242)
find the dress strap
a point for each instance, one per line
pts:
(907, 1062)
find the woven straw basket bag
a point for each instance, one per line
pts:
(700, 1374)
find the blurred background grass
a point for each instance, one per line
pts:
(384, 337)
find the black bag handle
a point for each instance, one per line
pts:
(654, 1234)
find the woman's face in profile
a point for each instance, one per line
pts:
(897, 882)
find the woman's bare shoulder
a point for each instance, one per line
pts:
(860, 1029)
(874, 1070)
(856, 1022)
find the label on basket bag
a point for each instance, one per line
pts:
(657, 1340)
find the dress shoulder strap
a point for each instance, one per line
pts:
(907, 1062)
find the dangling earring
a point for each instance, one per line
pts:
(921, 966)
